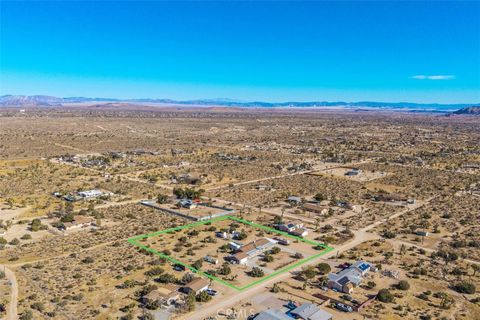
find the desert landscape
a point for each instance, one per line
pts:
(386, 189)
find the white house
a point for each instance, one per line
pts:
(89, 194)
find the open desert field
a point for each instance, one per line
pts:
(72, 182)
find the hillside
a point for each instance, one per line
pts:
(472, 110)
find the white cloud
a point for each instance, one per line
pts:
(433, 77)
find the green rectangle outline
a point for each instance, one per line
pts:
(134, 241)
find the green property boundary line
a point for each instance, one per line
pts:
(135, 242)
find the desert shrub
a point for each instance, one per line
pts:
(465, 287)
(384, 295)
(324, 268)
(203, 297)
(256, 272)
(403, 285)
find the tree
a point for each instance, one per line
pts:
(242, 235)
(69, 207)
(187, 277)
(308, 273)
(257, 272)
(36, 225)
(203, 297)
(275, 288)
(190, 301)
(88, 260)
(384, 295)
(447, 256)
(225, 269)
(317, 223)
(446, 301)
(166, 278)
(275, 250)
(389, 234)
(319, 197)
(162, 198)
(476, 268)
(403, 285)
(197, 264)
(27, 315)
(277, 220)
(147, 316)
(154, 272)
(465, 287)
(298, 255)
(324, 268)
(10, 202)
(267, 257)
(67, 218)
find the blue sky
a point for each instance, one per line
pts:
(273, 51)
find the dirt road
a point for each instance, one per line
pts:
(12, 306)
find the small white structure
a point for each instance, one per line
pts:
(222, 235)
(89, 194)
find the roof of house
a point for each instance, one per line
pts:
(345, 276)
(240, 255)
(255, 244)
(314, 207)
(272, 314)
(310, 311)
(361, 265)
(167, 292)
(197, 284)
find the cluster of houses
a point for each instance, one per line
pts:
(170, 294)
(349, 278)
(305, 311)
(243, 253)
(295, 228)
(83, 195)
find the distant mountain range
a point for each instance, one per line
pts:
(475, 110)
(42, 100)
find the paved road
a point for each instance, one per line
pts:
(12, 313)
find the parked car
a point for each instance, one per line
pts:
(344, 265)
(211, 292)
(344, 308)
(179, 267)
(346, 297)
(282, 241)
